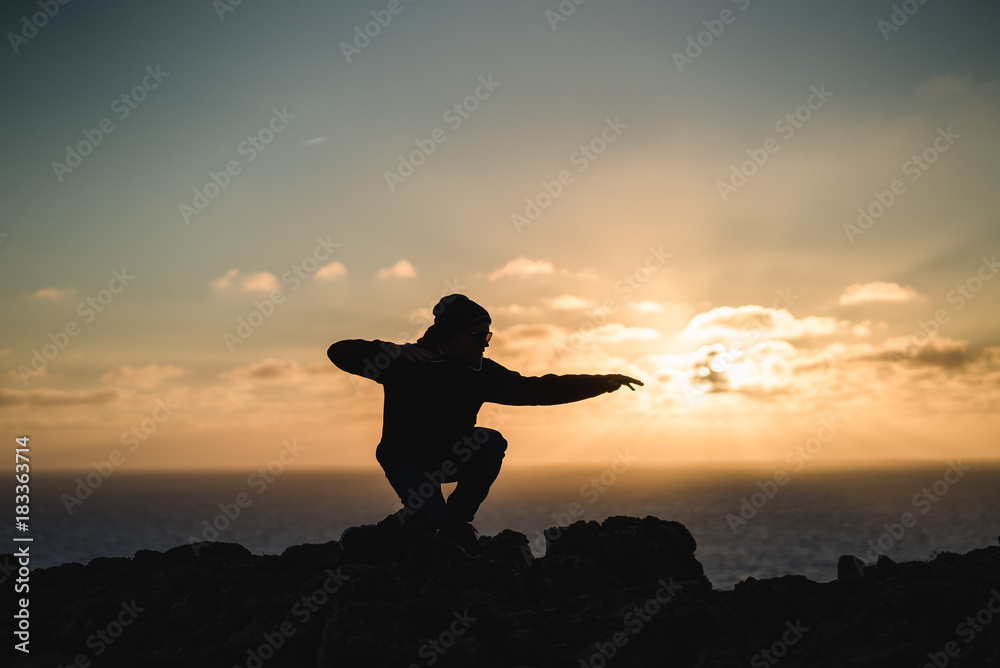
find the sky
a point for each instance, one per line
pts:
(781, 216)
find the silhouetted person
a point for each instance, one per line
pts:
(433, 391)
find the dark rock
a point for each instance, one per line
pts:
(625, 592)
(631, 550)
(849, 566)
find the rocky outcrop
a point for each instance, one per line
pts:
(627, 592)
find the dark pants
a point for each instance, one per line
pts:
(474, 465)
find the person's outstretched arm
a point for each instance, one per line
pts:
(513, 389)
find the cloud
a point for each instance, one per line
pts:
(646, 307)
(615, 332)
(260, 281)
(269, 369)
(942, 352)
(584, 275)
(569, 303)
(145, 377)
(756, 322)
(944, 85)
(51, 294)
(877, 291)
(331, 272)
(56, 397)
(514, 310)
(402, 269)
(225, 281)
(521, 267)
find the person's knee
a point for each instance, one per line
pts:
(491, 443)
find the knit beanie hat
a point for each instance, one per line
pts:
(452, 314)
(456, 312)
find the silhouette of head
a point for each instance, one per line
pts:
(461, 328)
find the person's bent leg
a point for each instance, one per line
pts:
(475, 476)
(423, 504)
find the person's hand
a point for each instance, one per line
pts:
(616, 380)
(415, 353)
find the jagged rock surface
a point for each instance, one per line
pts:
(627, 592)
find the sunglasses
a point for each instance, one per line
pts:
(480, 336)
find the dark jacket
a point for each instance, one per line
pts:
(430, 406)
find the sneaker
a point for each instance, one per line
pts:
(464, 537)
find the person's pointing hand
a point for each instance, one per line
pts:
(616, 380)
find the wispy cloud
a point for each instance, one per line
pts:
(260, 281)
(877, 291)
(521, 267)
(402, 269)
(331, 272)
(646, 307)
(147, 376)
(569, 303)
(56, 397)
(756, 322)
(51, 294)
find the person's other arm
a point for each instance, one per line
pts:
(371, 358)
(513, 389)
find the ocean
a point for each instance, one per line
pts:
(747, 523)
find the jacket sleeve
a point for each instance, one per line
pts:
(370, 359)
(512, 389)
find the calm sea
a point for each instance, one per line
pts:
(800, 527)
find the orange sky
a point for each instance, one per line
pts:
(791, 239)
